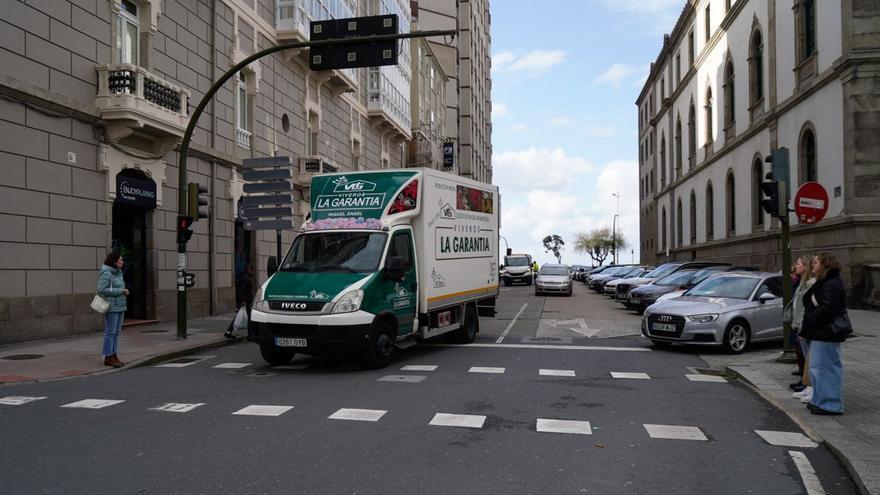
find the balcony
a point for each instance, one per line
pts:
(131, 99)
(388, 105)
(243, 138)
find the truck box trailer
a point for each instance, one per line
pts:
(386, 258)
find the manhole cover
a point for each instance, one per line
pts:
(155, 330)
(22, 357)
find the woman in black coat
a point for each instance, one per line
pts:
(824, 301)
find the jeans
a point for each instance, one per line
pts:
(826, 375)
(112, 328)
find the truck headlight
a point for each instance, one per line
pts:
(708, 318)
(350, 302)
(259, 304)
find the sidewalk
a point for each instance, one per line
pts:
(855, 436)
(81, 355)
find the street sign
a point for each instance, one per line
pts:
(267, 187)
(268, 224)
(255, 175)
(267, 184)
(253, 213)
(811, 202)
(265, 162)
(351, 56)
(269, 199)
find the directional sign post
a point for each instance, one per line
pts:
(811, 202)
(267, 189)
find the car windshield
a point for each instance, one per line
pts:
(701, 275)
(553, 270)
(358, 252)
(662, 270)
(728, 287)
(675, 279)
(517, 261)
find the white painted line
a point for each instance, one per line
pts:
(787, 439)
(550, 347)
(511, 324)
(544, 372)
(419, 367)
(676, 432)
(808, 474)
(17, 400)
(630, 376)
(232, 366)
(402, 378)
(564, 426)
(458, 420)
(358, 414)
(93, 403)
(183, 362)
(706, 378)
(177, 407)
(258, 410)
(483, 369)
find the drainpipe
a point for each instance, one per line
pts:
(212, 210)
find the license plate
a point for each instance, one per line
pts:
(288, 342)
(663, 327)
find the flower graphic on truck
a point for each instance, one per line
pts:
(406, 200)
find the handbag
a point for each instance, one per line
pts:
(787, 311)
(841, 325)
(100, 305)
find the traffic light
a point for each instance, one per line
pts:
(770, 188)
(196, 196)
(183, 232)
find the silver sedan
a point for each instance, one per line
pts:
(729, 309)
(553, 278)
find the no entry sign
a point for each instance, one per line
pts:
(811, 202)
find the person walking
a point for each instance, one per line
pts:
(804, 273)
(111, 286)
(823, 302)
(244, 294)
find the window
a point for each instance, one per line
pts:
(692, 134)
(678, 224)
(756, 68)
(807, 158)
(710, 212)
(663, 218)
(662, 161)
(401, 245)
(128, 36)
(731, 204)
(757, 193)
(653, 177)
(662, 90)
(710, 131)
(708, 22)
(807, 29)
(729, 96)
(355, 155)
(693, 217)
(242, 113)
(691, 50)
(678, 157)
(677, 69)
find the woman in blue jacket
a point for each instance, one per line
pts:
(111, 287)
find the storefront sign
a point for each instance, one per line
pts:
(136, 192)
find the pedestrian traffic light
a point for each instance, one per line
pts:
(183, 232)
(196, 196)
(770, 188)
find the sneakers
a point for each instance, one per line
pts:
(805, 392)
(797, 386)
(807, 395)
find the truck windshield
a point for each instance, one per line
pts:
(517, 261)
(358, 252)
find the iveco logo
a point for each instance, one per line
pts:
(296, 306)
(664, 318)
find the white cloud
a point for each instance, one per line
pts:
(533, 62)
(615, 74)
(562, 121)
(537, 168)
(498, 110)
(519, 128)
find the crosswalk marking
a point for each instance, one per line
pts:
(402, 378)
(484, 369)
(544, 372)
(263, 410)
(786, 439)
(232, 366)
(358, 414)
(564, 426)
(631, 376)
(18, 400)
(676, 432)
(93, 403)
(184, 362)
(706, 378)
(177, 407)
(458, 420)
(419, 367)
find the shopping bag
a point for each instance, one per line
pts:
(241, 319)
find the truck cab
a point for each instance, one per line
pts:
(517, 269)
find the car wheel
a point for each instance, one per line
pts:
(568, 294)
(468, 332)
(276, 356)
(736, 337)
(380, 346)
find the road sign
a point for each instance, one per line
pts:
(265, 162)
(268, 224)
(267, 187)
(256, 175)
(269, 199)
(351, 56)
(811, 202)
(254, 213)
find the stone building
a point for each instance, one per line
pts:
(428, 104)
(736, 79)
(94, 99)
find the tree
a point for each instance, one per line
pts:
(599, 243)
(555, 244)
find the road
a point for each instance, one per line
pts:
(533, 407)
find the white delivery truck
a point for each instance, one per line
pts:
(386, 258)
(517, 268)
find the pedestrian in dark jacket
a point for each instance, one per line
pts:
(825, 300)
(244, 294)
(111, 286)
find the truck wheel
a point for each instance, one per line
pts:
(468, 332)
(380, 346)
(276, 356)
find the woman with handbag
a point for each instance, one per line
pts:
(803, 269)
(111, 287)
(825, 326)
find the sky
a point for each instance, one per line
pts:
(565, 78)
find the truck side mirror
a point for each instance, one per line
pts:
(271, 266)
(395, 268)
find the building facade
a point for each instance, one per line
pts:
(428, 104)
(736, 79)
(94, 100)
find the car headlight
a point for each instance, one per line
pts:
(708, 318)
(350, 302)
(259, 304)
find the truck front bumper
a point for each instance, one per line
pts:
(344, 333)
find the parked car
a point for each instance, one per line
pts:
(646, 295)
(599, 270)
(624, 288)
(632, 272)
(732, 310)
(614, 272)
(553, 278)
(610, 287)
(701, 275)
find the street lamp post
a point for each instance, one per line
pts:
(614, 228)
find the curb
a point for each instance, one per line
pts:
(847, 464)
